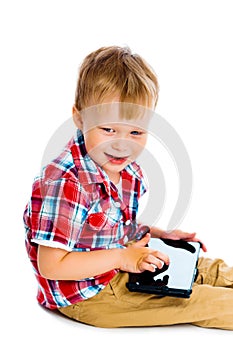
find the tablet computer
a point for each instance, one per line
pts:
(175, 279)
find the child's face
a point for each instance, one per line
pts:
(111, 141)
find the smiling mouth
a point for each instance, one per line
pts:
(116, 160)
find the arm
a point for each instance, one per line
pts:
(58, 264)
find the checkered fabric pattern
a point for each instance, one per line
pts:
(74, 204)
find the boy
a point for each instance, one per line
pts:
(82, 236)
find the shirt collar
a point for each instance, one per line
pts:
(84, 163)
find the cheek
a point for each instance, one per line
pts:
(94, 142)
(137, 147)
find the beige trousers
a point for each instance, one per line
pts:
(210, 304)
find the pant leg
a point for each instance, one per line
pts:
(208, 306)
(214, 272)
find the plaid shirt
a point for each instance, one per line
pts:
(74, 204)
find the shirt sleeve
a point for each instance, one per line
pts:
(51, 244)
(56, 212)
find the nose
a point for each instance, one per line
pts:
(120, 145)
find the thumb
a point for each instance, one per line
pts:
(143, 241)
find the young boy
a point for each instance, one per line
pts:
(82, 236)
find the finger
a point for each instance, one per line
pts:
(145, 266)
(143, 242)
(187, 236)
(159, 258)
(203, 246)
(178, 234)
(155, 262)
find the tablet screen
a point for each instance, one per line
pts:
(183, 259)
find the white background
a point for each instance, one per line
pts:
(189, 45)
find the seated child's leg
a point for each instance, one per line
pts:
(214, 272)
(115, 306)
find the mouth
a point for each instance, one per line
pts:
(116, 160)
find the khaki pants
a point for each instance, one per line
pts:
(210, 304)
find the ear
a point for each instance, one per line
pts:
(77, 118)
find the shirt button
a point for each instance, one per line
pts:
(127, 222)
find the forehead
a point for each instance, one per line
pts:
(117, 113)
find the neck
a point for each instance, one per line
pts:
(114, 177)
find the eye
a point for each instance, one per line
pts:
(136, 133)
(108, 130)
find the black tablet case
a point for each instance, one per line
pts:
(174, 280)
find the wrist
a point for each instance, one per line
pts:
(118, 257)
(121, 258)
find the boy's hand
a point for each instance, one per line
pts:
(137, 257)
(178, 234)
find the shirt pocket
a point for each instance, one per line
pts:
(100, 229)
(97, 221)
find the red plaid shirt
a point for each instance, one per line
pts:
(74, 205)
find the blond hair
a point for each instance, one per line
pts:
(112, 71)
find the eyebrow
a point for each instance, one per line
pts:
(113, 125)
